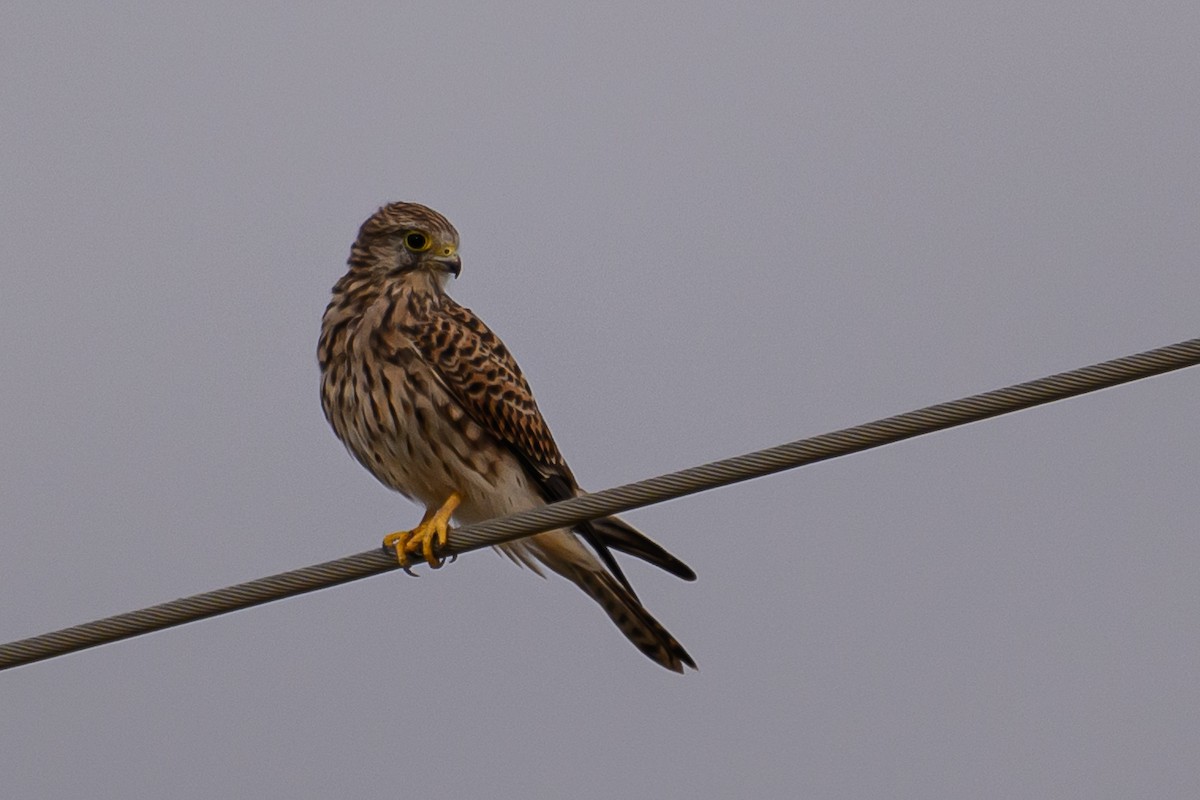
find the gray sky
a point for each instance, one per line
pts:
(702, 230)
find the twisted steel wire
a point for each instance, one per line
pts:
(612, 501)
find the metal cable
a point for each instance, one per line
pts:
(612, 501)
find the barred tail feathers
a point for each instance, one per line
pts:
(632, 618)
(566, 555)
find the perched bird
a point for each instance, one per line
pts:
(429, 400)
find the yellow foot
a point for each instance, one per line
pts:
(434, 526)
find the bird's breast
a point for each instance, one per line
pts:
(392, 412)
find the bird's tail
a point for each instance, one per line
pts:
(565, 554)
(632, 618)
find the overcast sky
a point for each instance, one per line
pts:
(702, 229)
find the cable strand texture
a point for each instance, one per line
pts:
(613, 501)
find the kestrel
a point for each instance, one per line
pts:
(429, 400)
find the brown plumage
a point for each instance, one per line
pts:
(429, 400)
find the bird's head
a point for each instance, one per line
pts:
(407, 239)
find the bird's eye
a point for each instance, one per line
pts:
(417, 241)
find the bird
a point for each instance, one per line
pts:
(426, 397)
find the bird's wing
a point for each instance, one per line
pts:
(478, 371)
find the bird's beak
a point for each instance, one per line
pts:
(451, 263)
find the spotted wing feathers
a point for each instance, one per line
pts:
(479, 372)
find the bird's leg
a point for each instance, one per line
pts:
(435, 525)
